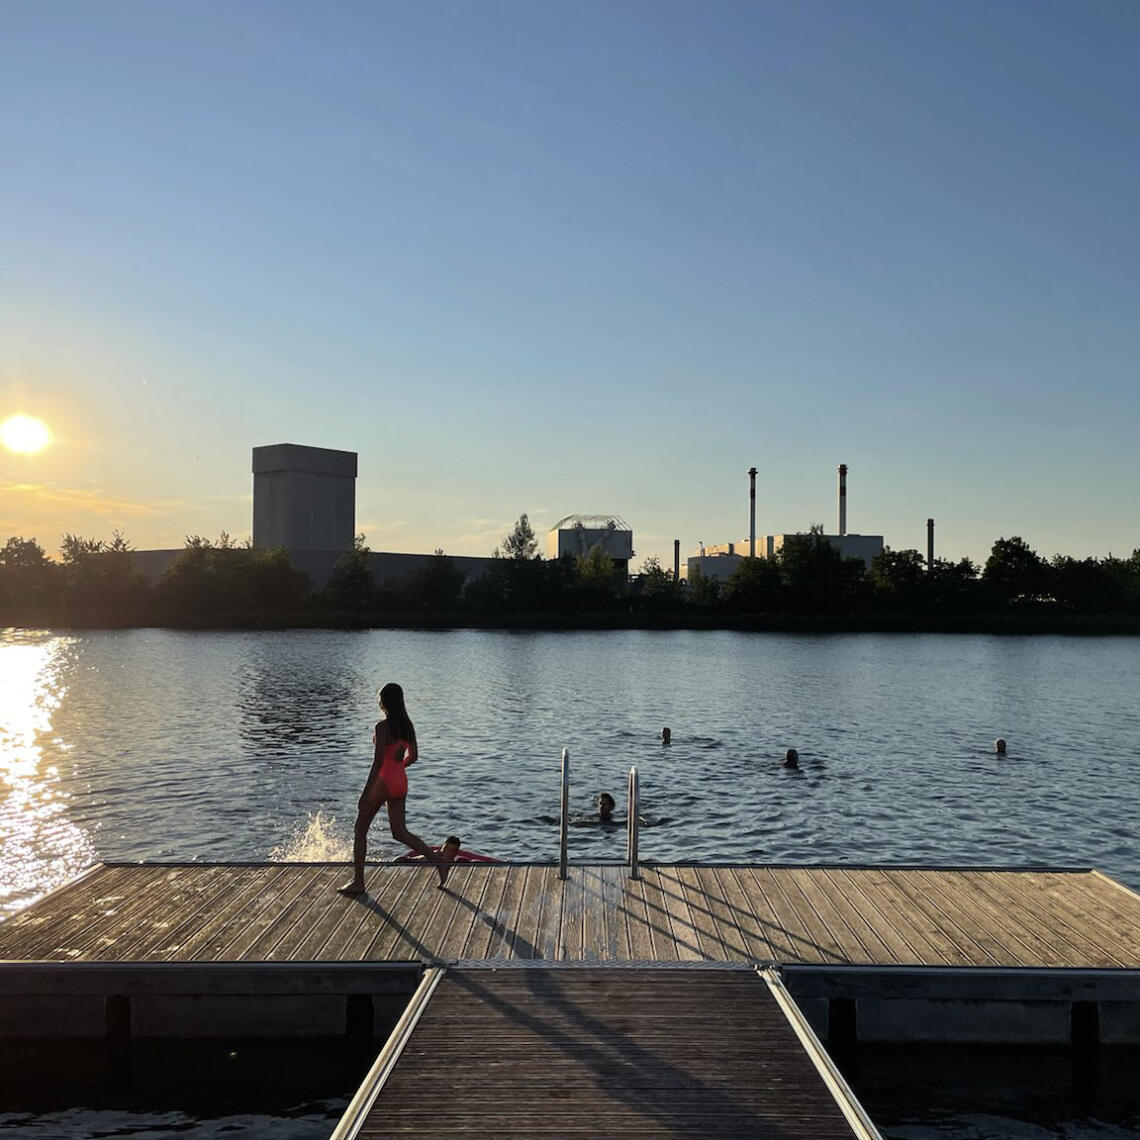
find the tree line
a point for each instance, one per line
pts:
(807, 584)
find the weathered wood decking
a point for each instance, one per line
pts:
(839, 916)
(603, 1052)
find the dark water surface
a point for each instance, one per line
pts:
(154, 744)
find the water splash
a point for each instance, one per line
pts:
(318, 839)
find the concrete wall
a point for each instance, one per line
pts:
(391, 568)
(387, 568)
(318, 564)
(172, 1000)
(718, 566)
(864, 546)
(304, 498)
(152, 563)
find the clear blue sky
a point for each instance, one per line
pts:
(576, 257)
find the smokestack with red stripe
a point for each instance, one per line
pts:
(751, 512)
(842, 499)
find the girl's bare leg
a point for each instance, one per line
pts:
(366, 811)
(401, 834)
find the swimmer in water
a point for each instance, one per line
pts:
(791, 759)
(666, 736)
(604, 814)
(999, 746)
(394, 740)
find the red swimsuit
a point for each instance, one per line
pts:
(392, 770)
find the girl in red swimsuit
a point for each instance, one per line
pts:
(395, 748)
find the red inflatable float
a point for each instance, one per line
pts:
(461, 857)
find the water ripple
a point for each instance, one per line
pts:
(152, 743)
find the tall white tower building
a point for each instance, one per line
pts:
(304, 498)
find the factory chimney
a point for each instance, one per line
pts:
(842, 499)
(676, 560)
(751, 512)
(929, 544)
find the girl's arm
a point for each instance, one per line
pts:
(377, 754)
(412, 754)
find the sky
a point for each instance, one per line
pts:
(590, 257)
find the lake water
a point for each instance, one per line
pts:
(154, 744)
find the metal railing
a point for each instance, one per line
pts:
(633, 825)
(564, 822)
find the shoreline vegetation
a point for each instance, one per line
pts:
(806, 587)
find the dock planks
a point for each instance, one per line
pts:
(591, 1052)
(838, 916)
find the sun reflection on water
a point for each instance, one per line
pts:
(40, 848)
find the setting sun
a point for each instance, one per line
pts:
(24, 435)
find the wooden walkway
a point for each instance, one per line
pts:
(842, 916)
(567, 1054)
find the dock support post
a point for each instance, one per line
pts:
(843, 1032)
(359, 1020)
(564, 820)
(632, 825)
(1084, 1046)
(117, 1018)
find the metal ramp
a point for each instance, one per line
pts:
(562, 1053)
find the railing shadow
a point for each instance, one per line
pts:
(624, 1071)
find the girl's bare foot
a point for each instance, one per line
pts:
(447, 853)
(353, 888)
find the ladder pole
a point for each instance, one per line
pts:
(564, 821)
(633, 825)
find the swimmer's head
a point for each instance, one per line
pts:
(666, 735)
(999, 746)
(605, 805)
(791, 758)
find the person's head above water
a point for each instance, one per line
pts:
(791, 758)
(666, 736)
(391, 698)
(999, 746)
(605, 805)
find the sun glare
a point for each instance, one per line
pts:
(25, 435)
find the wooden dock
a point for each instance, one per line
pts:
(588, 1052)
(833, 916)
(598, 1004)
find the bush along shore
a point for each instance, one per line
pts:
(806, 587)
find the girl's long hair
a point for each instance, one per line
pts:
(400, 725)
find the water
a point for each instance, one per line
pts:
(997, 1092)
(100, 1124)
(153, 744)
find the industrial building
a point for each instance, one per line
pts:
(720, 561)
(578, 535)
(304, 498)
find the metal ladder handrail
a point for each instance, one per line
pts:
(633, 825)
(564, 822)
